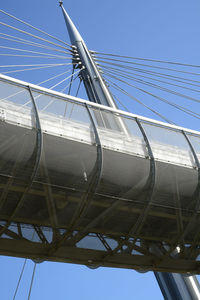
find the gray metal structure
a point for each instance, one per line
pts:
(95, 86)
(86, 183)
(84, 193)
(176, 286)
(173, 286)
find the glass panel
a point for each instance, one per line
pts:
(68, 163)
(66, 110)
(13, 94)
(176, 181)
(175, 184)
(18, 149)
(169, 145)
(64, 119)
(124, 176)
(68, 141)
(125, 167)
(49, 104)
(68, 158)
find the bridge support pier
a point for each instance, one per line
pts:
(177, 286)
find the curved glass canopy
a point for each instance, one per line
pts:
(76, 187)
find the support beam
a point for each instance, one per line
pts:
(34, 250)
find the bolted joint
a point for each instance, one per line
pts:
(96, 78)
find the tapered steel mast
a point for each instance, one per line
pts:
(96, 88)
(173, 286)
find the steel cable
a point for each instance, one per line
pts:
(27, 42)
(20, 277)
(70, 83)
(162, 88)
(31, 26)
(121, 72)
(114, 85)
(52, 87)
(31, 285)
(22, 271)
(149, 66)
(31, 69)
(66, 79)
(25, 65)
(158, 74)
(71, 80)
(146, 59)
(33, 56)
(39, 83)
(78, 88)
(53, 77)
(25, 50)
(117, 99)
(35, 36)
(187, 111)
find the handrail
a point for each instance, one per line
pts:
(65, 97)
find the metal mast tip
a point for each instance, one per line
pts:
(95, 86)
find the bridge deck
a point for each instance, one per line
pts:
(83, 183)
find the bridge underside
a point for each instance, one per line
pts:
(39, 251)
(85, 185)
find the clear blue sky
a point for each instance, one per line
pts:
(167, 30)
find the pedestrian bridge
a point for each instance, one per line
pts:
(88, 184)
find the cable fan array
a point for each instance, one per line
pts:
(27, 55)
(157, 88)
(165, 90)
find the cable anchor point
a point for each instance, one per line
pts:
(60, 3)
